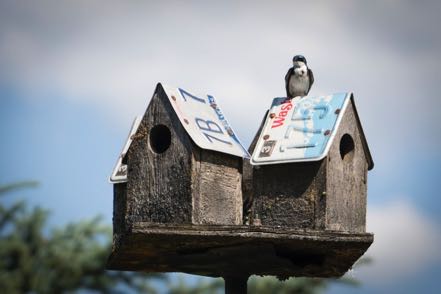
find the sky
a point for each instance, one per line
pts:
(74, 74)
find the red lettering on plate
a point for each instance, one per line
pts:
(278, 122)
(280, 119)
(287, 106)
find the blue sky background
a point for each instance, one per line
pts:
(74, 74)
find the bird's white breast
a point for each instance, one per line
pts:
(298, 85)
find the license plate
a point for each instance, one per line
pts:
(299, 129)
(204, 122)
(119, 174)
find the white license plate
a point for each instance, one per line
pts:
(299, 129)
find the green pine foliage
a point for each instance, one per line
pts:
(202, 286)
(292, 285)
(63, 260)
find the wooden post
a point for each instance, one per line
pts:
(236, 284)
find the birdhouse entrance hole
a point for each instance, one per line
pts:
(347, 147)
(160, 138)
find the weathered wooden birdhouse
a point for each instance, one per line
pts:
(180, 181)
(310, 165)
(183, 165)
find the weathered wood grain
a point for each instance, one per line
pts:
(222, 250)
(346, 187)
(288, 194)
(159, 187)
(217, 194)
(119, 208)
(247, 177)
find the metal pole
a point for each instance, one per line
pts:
(236, 285)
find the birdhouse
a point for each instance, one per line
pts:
(180, 181)
(310, 163)
(183, 165)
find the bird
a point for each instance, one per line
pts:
(299, 78)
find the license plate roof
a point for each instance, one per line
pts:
(204, 121)
(299, 129)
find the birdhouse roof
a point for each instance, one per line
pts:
(205, 123)
(303, 129)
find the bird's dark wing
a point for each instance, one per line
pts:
(311, 78)
(288, 75)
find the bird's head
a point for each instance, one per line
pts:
(300, 65)
(299, 58)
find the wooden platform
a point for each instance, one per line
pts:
(220, 251)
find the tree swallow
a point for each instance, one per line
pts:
(299, 78)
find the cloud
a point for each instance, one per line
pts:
(111, 54)
(406, 242)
